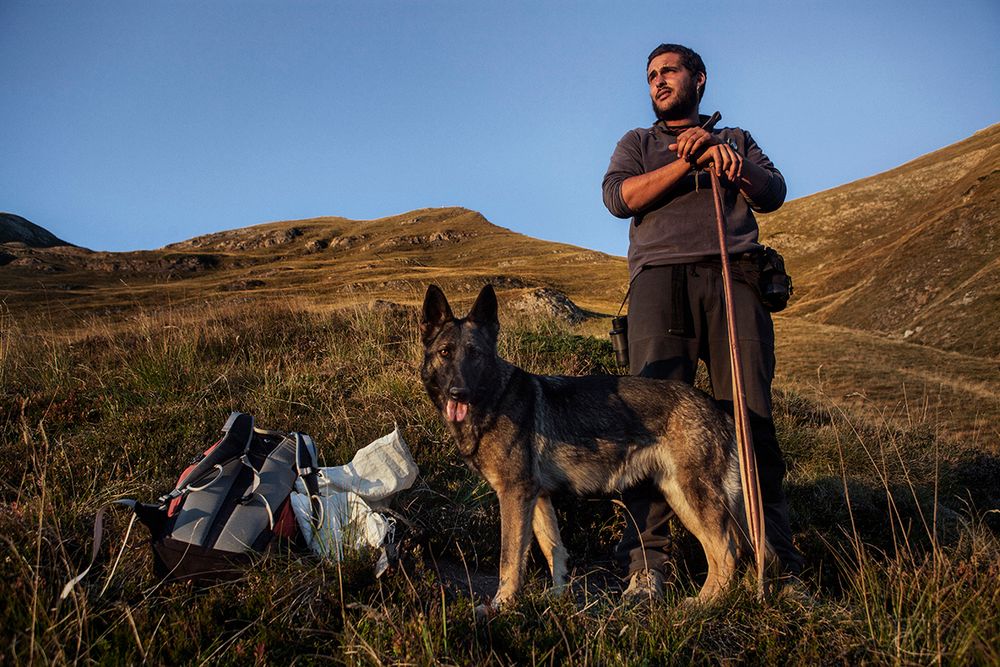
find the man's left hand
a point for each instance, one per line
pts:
(702, 148)
(691, 142)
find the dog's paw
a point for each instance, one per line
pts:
(484, 612)
(691, 602)
(558, 591)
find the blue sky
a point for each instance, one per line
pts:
(130, 125)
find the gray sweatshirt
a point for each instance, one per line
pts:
(680, 226)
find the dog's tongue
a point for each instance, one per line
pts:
(456, 411)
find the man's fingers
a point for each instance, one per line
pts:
(697, 144)
(684, 145)
(737, 169)
(690, 141)
(725, 163)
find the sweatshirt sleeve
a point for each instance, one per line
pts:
(626, 162)
(772, 196)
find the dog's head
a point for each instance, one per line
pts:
(460, 355)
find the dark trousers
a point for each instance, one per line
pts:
(676, 316)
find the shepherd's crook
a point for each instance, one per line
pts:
(744, 440)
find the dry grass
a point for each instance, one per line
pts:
(951, 395)
(904, 554)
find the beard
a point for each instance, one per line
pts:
(681, 105)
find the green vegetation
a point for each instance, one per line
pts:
(900, 529)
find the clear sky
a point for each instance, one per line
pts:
(129, 125)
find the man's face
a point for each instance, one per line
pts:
(673, 88)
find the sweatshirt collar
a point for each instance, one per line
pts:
(663, 127)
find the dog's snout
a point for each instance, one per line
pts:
(459, 394)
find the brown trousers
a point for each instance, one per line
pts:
(677, 316)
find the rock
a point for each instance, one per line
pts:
(550, 302)
(35, 264)
(241, 285)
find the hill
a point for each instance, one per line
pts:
(325, 261)
(884, 269)
(911, 253)
(15, 229)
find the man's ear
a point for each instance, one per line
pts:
(436, 312)
(484, 311)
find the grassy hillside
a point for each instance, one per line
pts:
(116, 367)
(913, 252)
(904, 553)
(324, 260)
(327, 262)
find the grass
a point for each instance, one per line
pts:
(900, 529)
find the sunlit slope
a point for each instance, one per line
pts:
(328, 260)
(912, 252)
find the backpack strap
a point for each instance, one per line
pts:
(237, 435)
(307, 467)
(98, 538)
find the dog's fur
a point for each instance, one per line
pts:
(530, 436)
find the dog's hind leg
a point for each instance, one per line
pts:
(546, 529)
(702, 511)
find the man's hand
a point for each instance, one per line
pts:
(702, 148)
(722, 159)
(692, 141)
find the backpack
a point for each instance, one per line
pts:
(231, 503)
(229, 506)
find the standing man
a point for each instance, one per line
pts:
(676, 306)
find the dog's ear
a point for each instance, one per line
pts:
(484, 311)
(436, 312)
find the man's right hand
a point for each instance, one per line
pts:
(722, 159)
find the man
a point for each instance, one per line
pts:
(676, 304)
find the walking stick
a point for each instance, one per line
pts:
(744, 440)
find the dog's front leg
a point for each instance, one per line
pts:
(516, 506)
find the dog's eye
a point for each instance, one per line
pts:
(444, 352)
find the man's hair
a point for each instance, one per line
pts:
(691, 61)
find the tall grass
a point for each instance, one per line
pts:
(900, 530)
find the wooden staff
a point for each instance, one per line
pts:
(744, 440)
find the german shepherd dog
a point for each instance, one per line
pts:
(531, 436)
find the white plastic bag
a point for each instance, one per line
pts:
(377, 472)
(347, 521)
(346, 493)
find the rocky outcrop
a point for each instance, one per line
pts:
(551, 303)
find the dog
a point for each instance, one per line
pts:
(531, 436)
